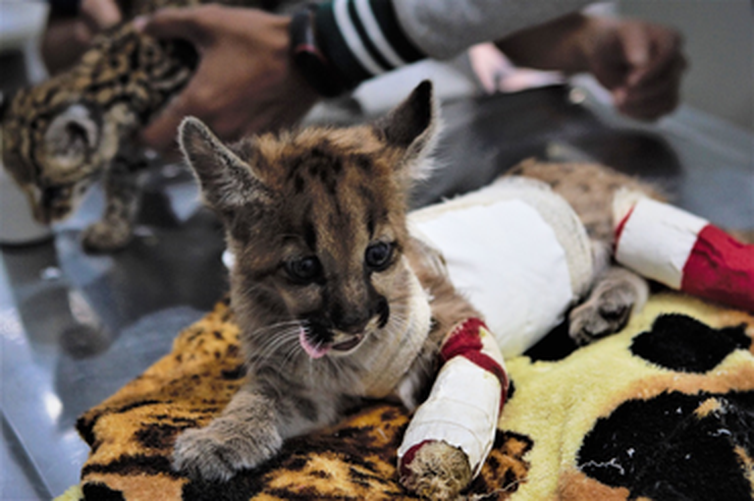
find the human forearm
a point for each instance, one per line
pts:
(71, 25)
(639, 62)
(556, 45)
(365, 38)
(245, 81)
(63, 42)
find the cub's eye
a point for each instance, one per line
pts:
(377, 256)
(305, 269)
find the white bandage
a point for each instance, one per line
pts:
(683, 251)
(657, 239)
(517, 250)
(464, 406)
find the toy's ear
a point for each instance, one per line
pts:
(227, 182)
(72, 136)
(413, 126)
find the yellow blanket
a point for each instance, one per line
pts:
(662, 410)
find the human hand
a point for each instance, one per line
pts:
(66, 38)
(640, 63)
(99, 14)
(245, 81)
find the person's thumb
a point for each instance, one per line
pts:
(161, 132)
(637, 47)
(172, 23)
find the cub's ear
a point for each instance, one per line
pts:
(413, 126)
(227, 181)
(72, 133)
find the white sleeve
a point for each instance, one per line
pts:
(444, 28)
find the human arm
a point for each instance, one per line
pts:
(640, 63)
(260, 89)
(245, 81)
(71, 25)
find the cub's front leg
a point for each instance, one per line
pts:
(437, 470)
(243, 436)
(115, 230)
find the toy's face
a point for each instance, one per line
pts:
(53, 157)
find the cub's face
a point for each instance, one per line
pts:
(316, 220)
(53, 153)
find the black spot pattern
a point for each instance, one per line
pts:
(101, 492)
(556, 345)
(664, 448)
(681, 343)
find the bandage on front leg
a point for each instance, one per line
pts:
(685, 252)
(464, 405)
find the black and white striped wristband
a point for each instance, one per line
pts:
(358, 40)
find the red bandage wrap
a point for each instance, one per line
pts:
(686, 253)
(466, 399)
(465, 341)
(720, 268)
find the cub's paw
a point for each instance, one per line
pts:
(104, 236)
(219, 451)
(438, 471)
(607, 311)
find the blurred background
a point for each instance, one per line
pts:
(74, 327)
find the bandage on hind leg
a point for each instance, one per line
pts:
(684, 252)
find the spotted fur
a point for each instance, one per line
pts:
(61, 135)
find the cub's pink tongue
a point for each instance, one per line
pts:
(312, 351)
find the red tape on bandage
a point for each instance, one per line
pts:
(465, 338)
(465, 342)
(619, 228)
(720, 268)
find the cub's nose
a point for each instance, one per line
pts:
(350, 321)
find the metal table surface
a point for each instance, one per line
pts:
(76, 327)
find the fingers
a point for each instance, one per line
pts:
(650, 50)
(174, 22)
(488, 64)
(100, 14)
(200, 98)
(637, 46)
(186, 24)
(243, 83)
(654, 67)
(160, 134)
(652, 98)
(650, 108)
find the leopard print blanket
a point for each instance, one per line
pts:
(662, 410)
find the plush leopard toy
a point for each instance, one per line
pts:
(59, 136)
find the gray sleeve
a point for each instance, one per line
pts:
(444, 28)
